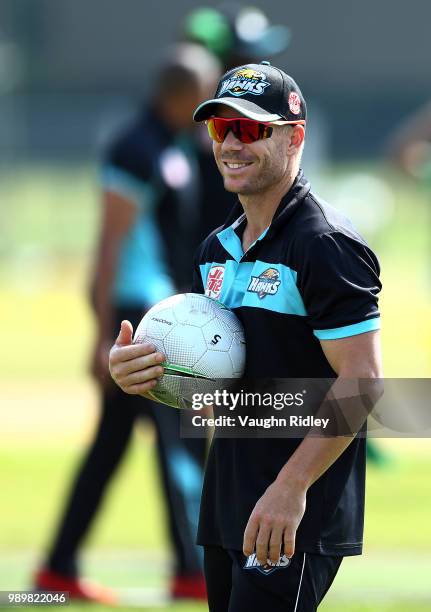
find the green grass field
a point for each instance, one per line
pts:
(48, 406)
(128, 547)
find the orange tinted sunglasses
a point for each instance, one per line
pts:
(245, 130)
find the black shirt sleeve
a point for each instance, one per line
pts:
(131, 153)
(339, 283)
(126, 170)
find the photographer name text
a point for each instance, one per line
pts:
(265, 423)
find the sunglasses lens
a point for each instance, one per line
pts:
(217, 129)
(250, 131)
(245, 130)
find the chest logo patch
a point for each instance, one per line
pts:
(266, 283)
(214, 282)
(269, 567)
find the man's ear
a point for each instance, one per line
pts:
(297, 137)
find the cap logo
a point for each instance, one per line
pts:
(244, 81)
(294, 103)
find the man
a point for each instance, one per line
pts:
(150, 187)
(278, 515)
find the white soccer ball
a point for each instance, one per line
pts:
(203, 342)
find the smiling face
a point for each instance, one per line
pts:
(256, 167)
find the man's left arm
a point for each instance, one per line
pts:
(278, 513)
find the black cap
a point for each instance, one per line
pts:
(258, 91)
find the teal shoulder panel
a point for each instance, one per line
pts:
(348, 330)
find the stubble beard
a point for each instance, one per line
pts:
(267, 178)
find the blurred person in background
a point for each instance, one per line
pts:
(235, 33)
(410, 145)
(150, 225)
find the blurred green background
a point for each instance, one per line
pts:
(48, 404)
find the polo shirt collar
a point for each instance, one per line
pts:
(230, 239)
(290, 202)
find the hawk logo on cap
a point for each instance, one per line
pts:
(245, 81)
(249, 73)
(266, 283)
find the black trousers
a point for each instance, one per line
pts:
(181, 464)
(237, 583)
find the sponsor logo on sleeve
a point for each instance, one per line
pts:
(214, 282)
(266, 283)
(252, 563)
(245, 81)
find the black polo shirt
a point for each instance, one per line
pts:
(308, 277)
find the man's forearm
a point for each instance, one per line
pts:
(311, 459)
(353, 399)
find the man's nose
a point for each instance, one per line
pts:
(231, 142)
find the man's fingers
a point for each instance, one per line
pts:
(125, 336)
(262, 544)
(141, 376)
(134, 367)
(123, 368)
(289, 543)
(275, 543)
(250, 535)
(141, 388)
(123, 354)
